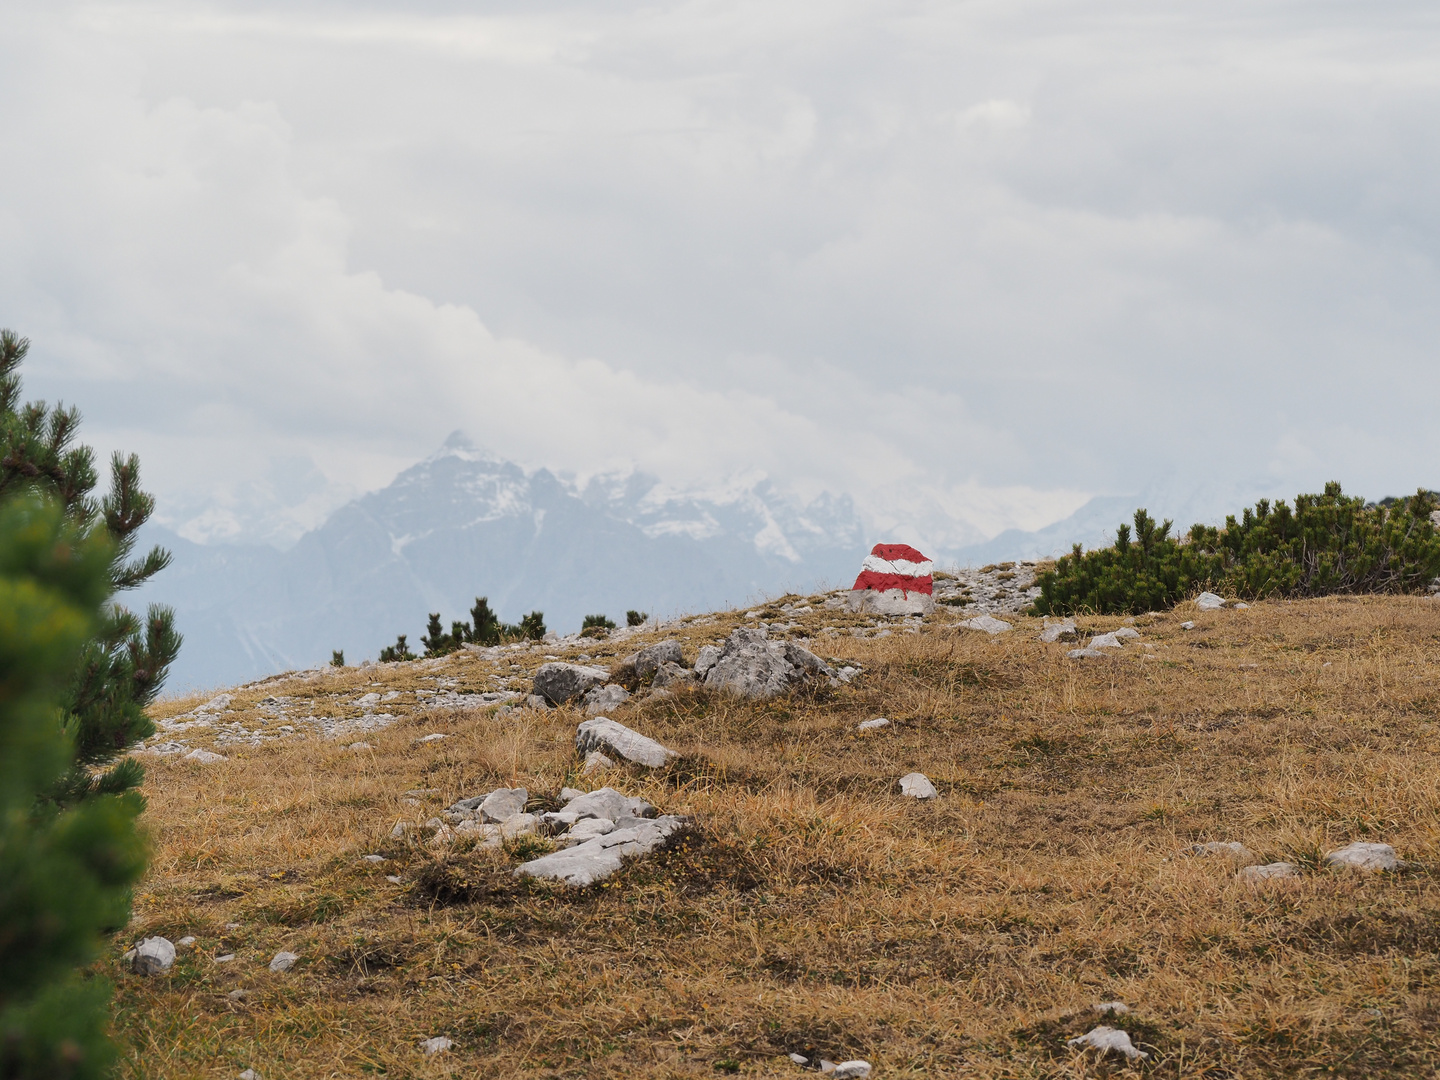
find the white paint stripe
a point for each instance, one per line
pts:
(899, 566)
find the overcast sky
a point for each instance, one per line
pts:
(971, 262)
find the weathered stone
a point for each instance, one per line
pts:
(1208, 601)
(672, 676)
(649, 659)
(486, 835)
(754, 667)
(283, 961)
(1363, 855)
(1256, 874)
(599, 857)
(369, 701)
(917, 786)
(437, 1045)
(858, 1069)
(204, 757)
(532, 701)
(595, 762)
(560, 684)
(872, 725)
(706, 659)
(892, 603)
(607, 804)
(605, 735)
(587, 829)
(1119, 1008)
(1063, 630)
(569, 793)
(502, 804)
(153, 956)
(1106, 1040)
(248, 1074)
(1106, 641)
(434, 736)
(988, 623)
(1081, 654)
(1125, 633)
(519, 825)
(605, 698)
(1187, 625)
(185, 942)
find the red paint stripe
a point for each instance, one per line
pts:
(891, 552)
(869, 579)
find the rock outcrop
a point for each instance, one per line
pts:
(752, 666)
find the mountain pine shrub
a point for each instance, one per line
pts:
(123, 664)
(636, 618)
(397, 652)
(337, 657)
(65, 871)
(532, 626)
(484, 624)
(596, 626)
(1328, 543)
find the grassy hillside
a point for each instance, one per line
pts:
(817, 911)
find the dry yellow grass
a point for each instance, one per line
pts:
(821, 912)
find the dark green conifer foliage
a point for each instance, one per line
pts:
(596, 626)
(532, 626)
(123, 665)
(635, 618)
(399, 651)
(1329, 543)
(337, 658)
(484, 624)
(65, 872)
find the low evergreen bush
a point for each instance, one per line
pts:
(484, 628)
(596, 626)
(636, 618)
(1328, 543)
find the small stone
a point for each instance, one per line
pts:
(1107, 1040)
(225, 958)
(359, 746)
(1363, 855)
(373, 858)
(1372, 1014)
(238, 995)
(588, 828)
(533, 701)
(153, 956)
(283, 961)
(1082, 654)
(917, 786)
(1242, 607)
(185, 942)
(1119, 1008)
(436, 1045)
(706, 658)
(568, 793)
(1107, 641)
(872, 725)
(606, 735)
(672, 676)
(1125, 633)
(368, 701)
(249, 1074)
(519, 825)
(1253, 875)
(649, 660)
(595, 762)
(1208, 601)
(1187, 625)
(605, 698)
(852, 1070)
(394, 879)
(1058, 631)
(432, 737)
(502, 804)
(800, 1059)
(560, 684)
(204, 757)
(987, 623)
(401, 830)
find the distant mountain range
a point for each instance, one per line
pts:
(464, 523)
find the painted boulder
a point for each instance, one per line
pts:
(895, 579)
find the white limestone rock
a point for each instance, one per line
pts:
(606, 804)
(605, 735)
(500, 805)
(1254, 875)
(1363, 855)
(1187, 625)
(892, 603)
(872, 725)
(1125, 633)
(1208, 601)
(560, 683)
(283, 961)
(1106, 641)
(988, 623)
(153, 956)
(706, 659)
(595, 762)
(671, 676)
(650, 659)
(1088, 653)
(204, 757)
(1106, 1040)
(1060, 630)
(601, 856)
(519, 825)
(752, 666)
(917, 786)
(439, 1044)
(605, 698)
(858, 1069)
(587, 829)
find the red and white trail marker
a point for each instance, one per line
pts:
(895, 579)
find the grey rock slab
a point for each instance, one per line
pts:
(1119, 1008)
(560, 684)
(752, 666)
(283, 961)
(917, 786)
(204, 757)
(152, 956)
(568, 793)
(598, 858)
(890, 602)
(1269, 871)
(1087, 653)
(587, 829)
(603, 699)
(1125, 633)
(671, 675)
(1058, 631)
(1187, 625)
(1208, 601)
(706, 659)
(648, 660)
(1106, 641)
(1363, 855)
(1107, 1040)
(595, 762)
(605, 735)
(609, 804)
(437, 1045)
(857, 1069)
(519, 825)
(988, 623)
(502, 804)
(872, 725)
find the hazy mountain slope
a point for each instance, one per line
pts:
(464, 524)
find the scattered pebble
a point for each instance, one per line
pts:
(1208, 601)
(1119, 1008)
(372, 858)
(852, 1070)
(917, 786)
(153, 956)
(872, 725)
(359, 746)
(1363, 855)
(394, 879)
(185, 941)
(436, 1045)
(225, 958)
(432, 737)
(204, 757)
(1107, 1040)
(1187, 625)
(1256, 874)
(595, 762)
(249, 1074)
(283, 961)
(238, 995)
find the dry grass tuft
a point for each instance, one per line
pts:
(813, 910)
